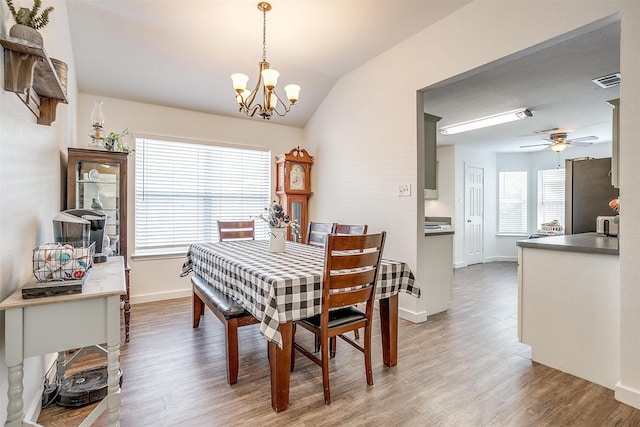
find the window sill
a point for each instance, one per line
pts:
(151, 256)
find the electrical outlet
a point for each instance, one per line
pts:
(404, 190)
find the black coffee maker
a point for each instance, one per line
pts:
(81, 225)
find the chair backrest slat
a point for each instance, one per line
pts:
(360, 278)
(351, 269)
(351, 229)
(236, 230)
(317, 232)
(350, 298)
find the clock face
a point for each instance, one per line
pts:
(296, 177)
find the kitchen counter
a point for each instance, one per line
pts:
(591, 243)
(569, 304)
(437, 232)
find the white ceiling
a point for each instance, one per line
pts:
(180, 53)
(554, 81)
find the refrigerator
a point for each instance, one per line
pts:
(587, 193)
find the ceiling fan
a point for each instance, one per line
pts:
(559, 141)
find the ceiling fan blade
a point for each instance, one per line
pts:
(583, 139)
(579, 143)
(534, 145)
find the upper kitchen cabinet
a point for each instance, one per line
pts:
(430, 164)
(615, 142)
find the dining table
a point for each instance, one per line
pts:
(279, 288)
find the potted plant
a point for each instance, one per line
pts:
(28, 21)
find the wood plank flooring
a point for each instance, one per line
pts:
(463, 367)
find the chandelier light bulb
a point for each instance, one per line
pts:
(239, 82)
(293, 92)
(273, 101)
(270, 77)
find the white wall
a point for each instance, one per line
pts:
(372, 146)
(158, 278)
(32, 159)
(506, 249)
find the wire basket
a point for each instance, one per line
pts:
(63, 261)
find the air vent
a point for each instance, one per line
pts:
(608, 81)
(546, 130)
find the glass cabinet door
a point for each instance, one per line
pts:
(97, 188)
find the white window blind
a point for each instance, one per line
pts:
(512, 202)
(183, 188)
(551, 196)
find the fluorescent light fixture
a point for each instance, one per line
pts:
(484, 122)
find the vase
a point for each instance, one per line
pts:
(27, 33)
(276, 239)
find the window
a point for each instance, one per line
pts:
(551, 196)
(512, 203)
(183, 188)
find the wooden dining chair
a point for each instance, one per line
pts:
(231, 313)
(350, 273)
(317, 232)
(236, 230)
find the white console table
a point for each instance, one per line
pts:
(53, 324)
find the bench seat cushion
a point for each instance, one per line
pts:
(226, 305)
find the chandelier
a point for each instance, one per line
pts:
(249, 101)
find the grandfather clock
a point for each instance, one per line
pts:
(293, 186)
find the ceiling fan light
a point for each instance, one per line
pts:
(558, 147)
(484, 122)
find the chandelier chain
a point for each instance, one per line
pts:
(264, 35)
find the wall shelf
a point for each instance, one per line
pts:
(29, 72)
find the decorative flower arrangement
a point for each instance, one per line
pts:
(276, 218)
(114, 142)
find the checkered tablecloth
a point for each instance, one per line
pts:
(279, 287)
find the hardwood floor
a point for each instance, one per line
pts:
(464, 367)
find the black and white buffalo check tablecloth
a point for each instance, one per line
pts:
(280, 287)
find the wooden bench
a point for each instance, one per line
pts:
(231, 314)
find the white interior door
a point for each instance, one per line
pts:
(473, 214)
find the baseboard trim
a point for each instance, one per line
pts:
(412, 316)
(627, 395)
(459, 264)
(506, 258)
(161, 296)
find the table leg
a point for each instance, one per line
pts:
(389, 327)
(280, 363)
(113, 361)
(14, 392)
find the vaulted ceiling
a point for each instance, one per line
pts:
(180, 53)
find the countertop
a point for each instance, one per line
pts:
(591, 243)
(437, 232)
